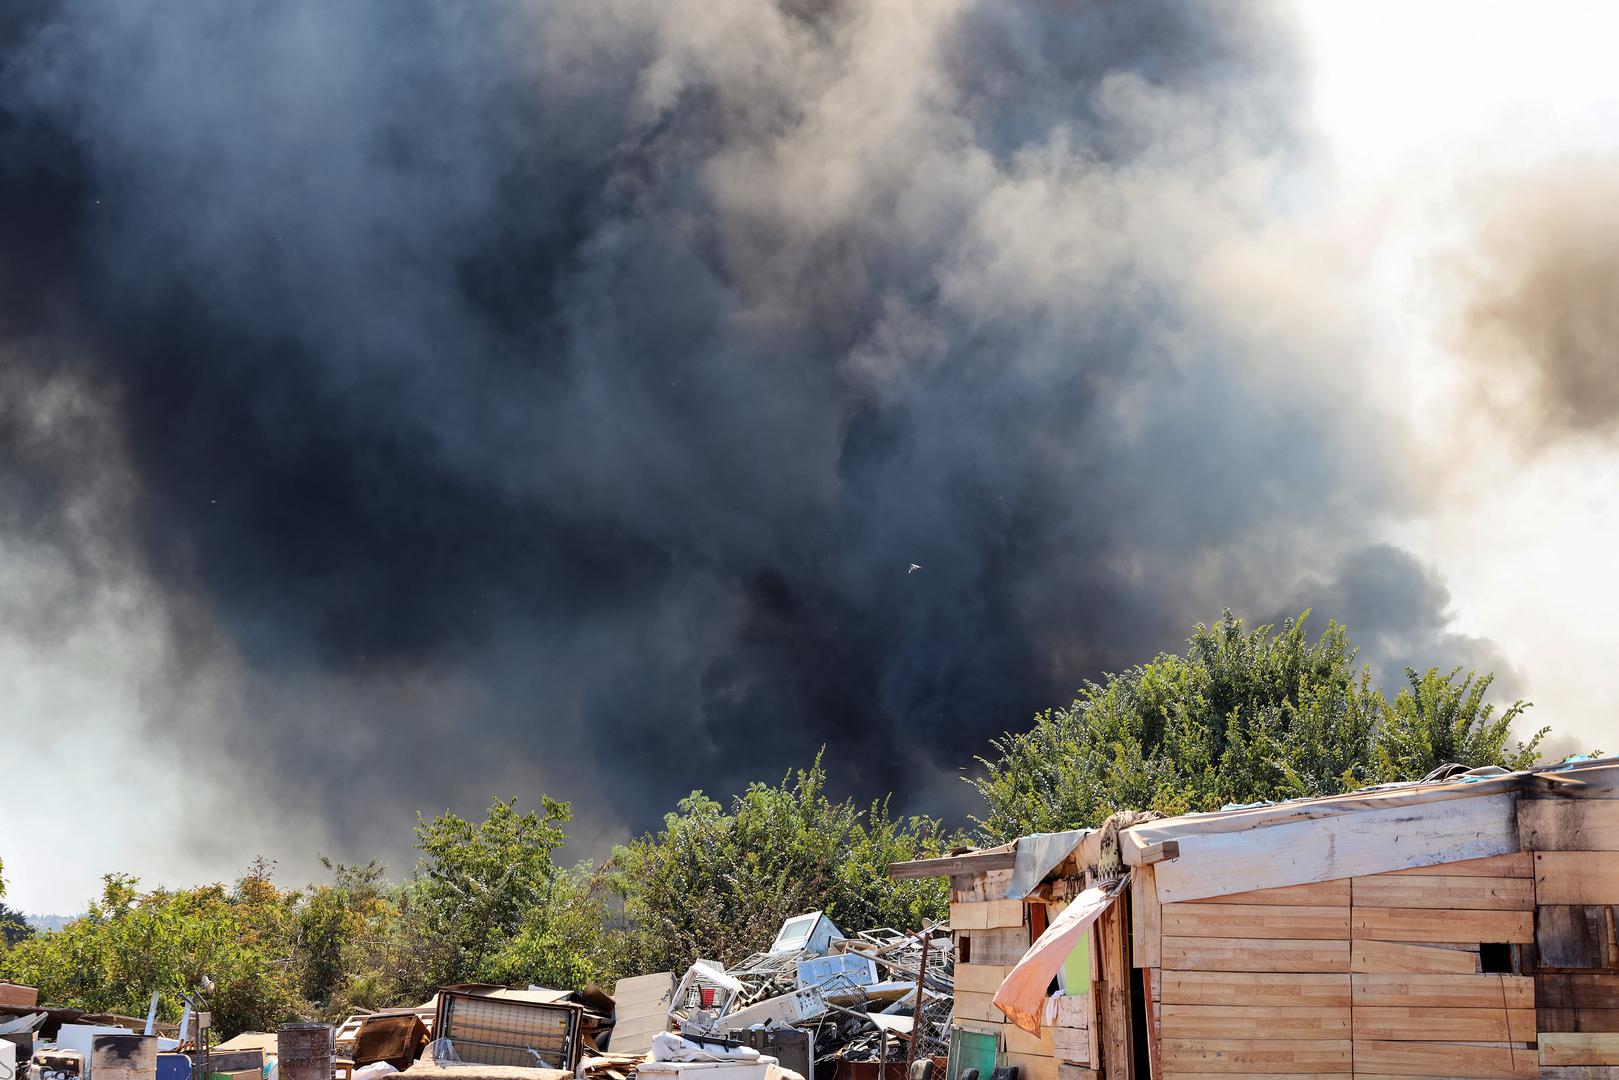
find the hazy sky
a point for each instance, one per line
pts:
(1427, 126)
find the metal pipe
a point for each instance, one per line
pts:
(916, 1016)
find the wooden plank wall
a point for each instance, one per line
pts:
(1575, 849)
(1373, 976)
(1256, 983)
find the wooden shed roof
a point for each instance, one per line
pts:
(1372, 831)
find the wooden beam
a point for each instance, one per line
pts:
(1568, 824)
(1255, 1022)
(1579, 1048)
(1413, 957)
(1256, 921)
(970, 862)
(1256, 1057)
(1443, 1059)
(1314, 894)
(986, 915)
(1113, 996)
(1456, 991)
(1253, 988)
(1147, 854)
(1352, 844)
(1252, 954)
(1443, 1023)
(1576, 877)
(1573, 990)
(1444, 891)
(971, 1005)
(980, 978)
(1429, 926)
(1513, 864)
(1146, 919)
(1574, 936)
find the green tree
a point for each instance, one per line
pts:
(491, 903)
(347, 941)
(563, 940)
(132, 943)
(1243, 716)
(718, 882)
(1436, 720)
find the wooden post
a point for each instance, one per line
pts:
(1118, 1058)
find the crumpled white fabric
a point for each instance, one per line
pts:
(667, 1046)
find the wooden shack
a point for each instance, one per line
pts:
(1465, 928)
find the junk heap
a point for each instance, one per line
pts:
(817, 999)
(816, 1005)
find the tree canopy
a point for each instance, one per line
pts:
(1244, 715)
(719, 881)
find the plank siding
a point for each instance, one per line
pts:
(1249, 954)
(1576, 877)
(1434, 1023)
(1253, 988)
(1255, 1022)
(1256, 1057)
(1574, 1048)
(1455, 991)
(1443, 1059)
(1447, 892)
(1333, 893)
(1413, 957)
(1568, 825)
(1430, 926)
(1273, 922)
(1511, 864)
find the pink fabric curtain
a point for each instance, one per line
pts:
(1022, 995)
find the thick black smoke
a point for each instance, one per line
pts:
(504, 396)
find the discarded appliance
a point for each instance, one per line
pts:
(705, 989)
(837, 971)
(675, 1057)
(793, 1047)
(81, 1039)
(811, 932)
(54, 1063)
(797, 1007)
(520, 1028)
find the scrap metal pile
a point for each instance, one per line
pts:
(817, 998)
(816, 1005)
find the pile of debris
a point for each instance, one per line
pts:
(821, 1002)
(816, 1005)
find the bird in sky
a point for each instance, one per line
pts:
(914, 568)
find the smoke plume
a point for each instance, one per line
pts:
(1541, 314)
(495, 397)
